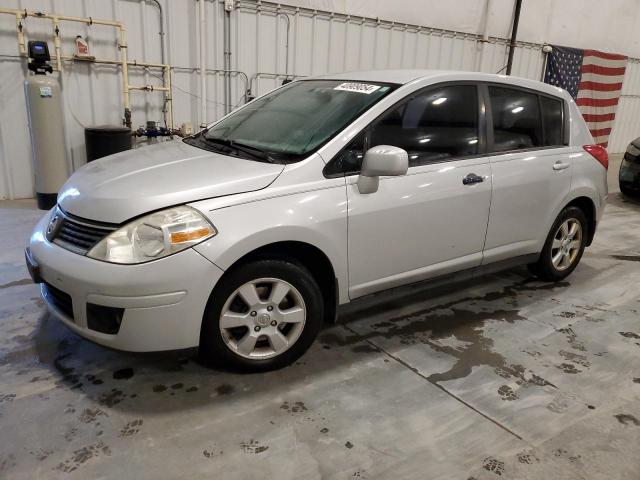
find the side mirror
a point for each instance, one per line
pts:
(381, 161)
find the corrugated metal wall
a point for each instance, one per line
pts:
(627, 123)
(318, 42)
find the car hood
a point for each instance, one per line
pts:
(116, 188)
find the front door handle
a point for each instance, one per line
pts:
(560, 165)
(471, 179)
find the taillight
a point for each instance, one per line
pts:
(599, 153)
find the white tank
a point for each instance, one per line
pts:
(44, 106)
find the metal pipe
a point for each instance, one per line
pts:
(227, 58)
(162, 50)
(161, 32)
(245, 77)
(125, 78)
(484, 39)
(257, 75)
(286, 45)
(169, 96)
(202, 12)
(148, 88)
(514, 35)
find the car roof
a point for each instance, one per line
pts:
(403, 77)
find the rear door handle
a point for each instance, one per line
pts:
(560, 165)
(471, 179)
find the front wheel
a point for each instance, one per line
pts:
(564, 246)
(262, 316)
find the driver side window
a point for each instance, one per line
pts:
(433, 126)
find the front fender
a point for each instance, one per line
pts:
(318, 218)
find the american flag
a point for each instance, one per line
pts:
(594, 80)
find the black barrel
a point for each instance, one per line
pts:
(106, 140)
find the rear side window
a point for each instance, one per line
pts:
(516, 119)
(552, 121)
(433, 126)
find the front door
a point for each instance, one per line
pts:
(433, 220)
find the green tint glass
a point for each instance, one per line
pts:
(299, 117)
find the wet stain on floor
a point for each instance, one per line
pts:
(568, 368)
(112, 398)
(253, 447)
(90, 415)
(225, 389)
(123, 374)
(575, 358)
(493, 465)
(507, 393)
(24, 281)
(83, 454)
(628, 258)
(131, 428)
(212, 452)
(430, 325)
(633, 335)
(293, 408)
(627, 419)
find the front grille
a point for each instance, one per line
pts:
(80, 235)
(62, 301)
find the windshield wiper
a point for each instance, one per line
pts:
(256, 152)
(240, 147)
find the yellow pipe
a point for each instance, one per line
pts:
(56, 43)
(123, 62)
(21, 45)
(131, 63)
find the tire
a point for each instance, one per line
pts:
(628, 192)
(280, 332)
(548, 270)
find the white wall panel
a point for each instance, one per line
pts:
(627, 123)
(319, 42)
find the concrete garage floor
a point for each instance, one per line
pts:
(504, 377)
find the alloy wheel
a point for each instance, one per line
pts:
(262, 318)
(566, 244)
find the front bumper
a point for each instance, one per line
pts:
(163, 300)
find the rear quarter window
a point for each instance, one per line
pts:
(552, 121)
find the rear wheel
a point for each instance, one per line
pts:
(262, 316)
(564, 246)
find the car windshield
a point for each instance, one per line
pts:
(290, 123)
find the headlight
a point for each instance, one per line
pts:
(154, 236)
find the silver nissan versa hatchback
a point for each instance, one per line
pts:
(244, 238)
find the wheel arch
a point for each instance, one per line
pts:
(307, 255)
(588, 207)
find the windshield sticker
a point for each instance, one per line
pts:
(357, 87)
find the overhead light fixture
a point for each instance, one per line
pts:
(517, 110)
(439, 101)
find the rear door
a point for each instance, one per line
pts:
(531, 167)
(432, 220)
